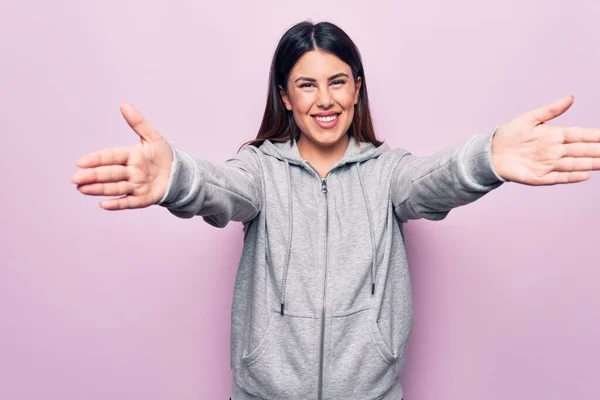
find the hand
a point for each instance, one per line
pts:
(139, 173)
(526, 150)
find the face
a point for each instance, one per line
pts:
(321, 93)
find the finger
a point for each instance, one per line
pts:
(581, 150)
(123, 203)
(107, 189)
(138, 123)
(111, 173)
(548, 112)
(117, 156)
(578, 134)
(556, 177)
(569, 164)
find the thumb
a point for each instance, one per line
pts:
(550, 111)
(138, 123)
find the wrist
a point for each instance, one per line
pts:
(496, 156)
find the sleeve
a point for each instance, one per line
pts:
(217, 193)
(429, 187)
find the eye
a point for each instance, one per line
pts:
(338, 82)
(306, 85)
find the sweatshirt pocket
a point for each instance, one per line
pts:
(361, 364)
(282, 365)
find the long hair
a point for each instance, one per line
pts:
(278, 123)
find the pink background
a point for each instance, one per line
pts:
(136, 304)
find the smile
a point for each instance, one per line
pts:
(327, 119)
(326, 122)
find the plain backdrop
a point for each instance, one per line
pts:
(136, 304)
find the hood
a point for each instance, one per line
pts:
(356, 153)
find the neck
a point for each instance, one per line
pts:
(322, 158)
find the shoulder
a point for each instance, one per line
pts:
(390, 157)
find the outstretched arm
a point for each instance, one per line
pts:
(154, 172)
(429, 187)
(524, 150)
(218, 193)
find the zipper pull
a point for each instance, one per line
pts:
(324, 185)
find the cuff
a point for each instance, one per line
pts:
(479, 165)
(182, 173)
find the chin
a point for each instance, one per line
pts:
(327, 139)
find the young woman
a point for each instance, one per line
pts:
(322, 301)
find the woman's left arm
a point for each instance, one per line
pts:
(523, 150)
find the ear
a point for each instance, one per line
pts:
(285, 98)
(358, 84)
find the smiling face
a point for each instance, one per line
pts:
(321, 93)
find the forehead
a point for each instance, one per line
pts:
(319, 64)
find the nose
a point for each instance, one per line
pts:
(324, 98)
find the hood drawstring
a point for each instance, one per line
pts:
(291, 225)
(355, 155)
(373, 256)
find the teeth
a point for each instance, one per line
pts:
(327, 119)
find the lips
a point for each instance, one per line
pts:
(326, 120)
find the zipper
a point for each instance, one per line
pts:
(322, 349)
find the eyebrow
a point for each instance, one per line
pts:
(303, 78)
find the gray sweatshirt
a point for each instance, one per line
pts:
(322, 304)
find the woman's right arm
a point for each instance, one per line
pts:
(218, 193)
(154, 172)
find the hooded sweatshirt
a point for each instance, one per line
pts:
(322, 305)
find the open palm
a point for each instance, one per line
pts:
(139, 173)
(526, 150)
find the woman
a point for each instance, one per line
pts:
(322, 302)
